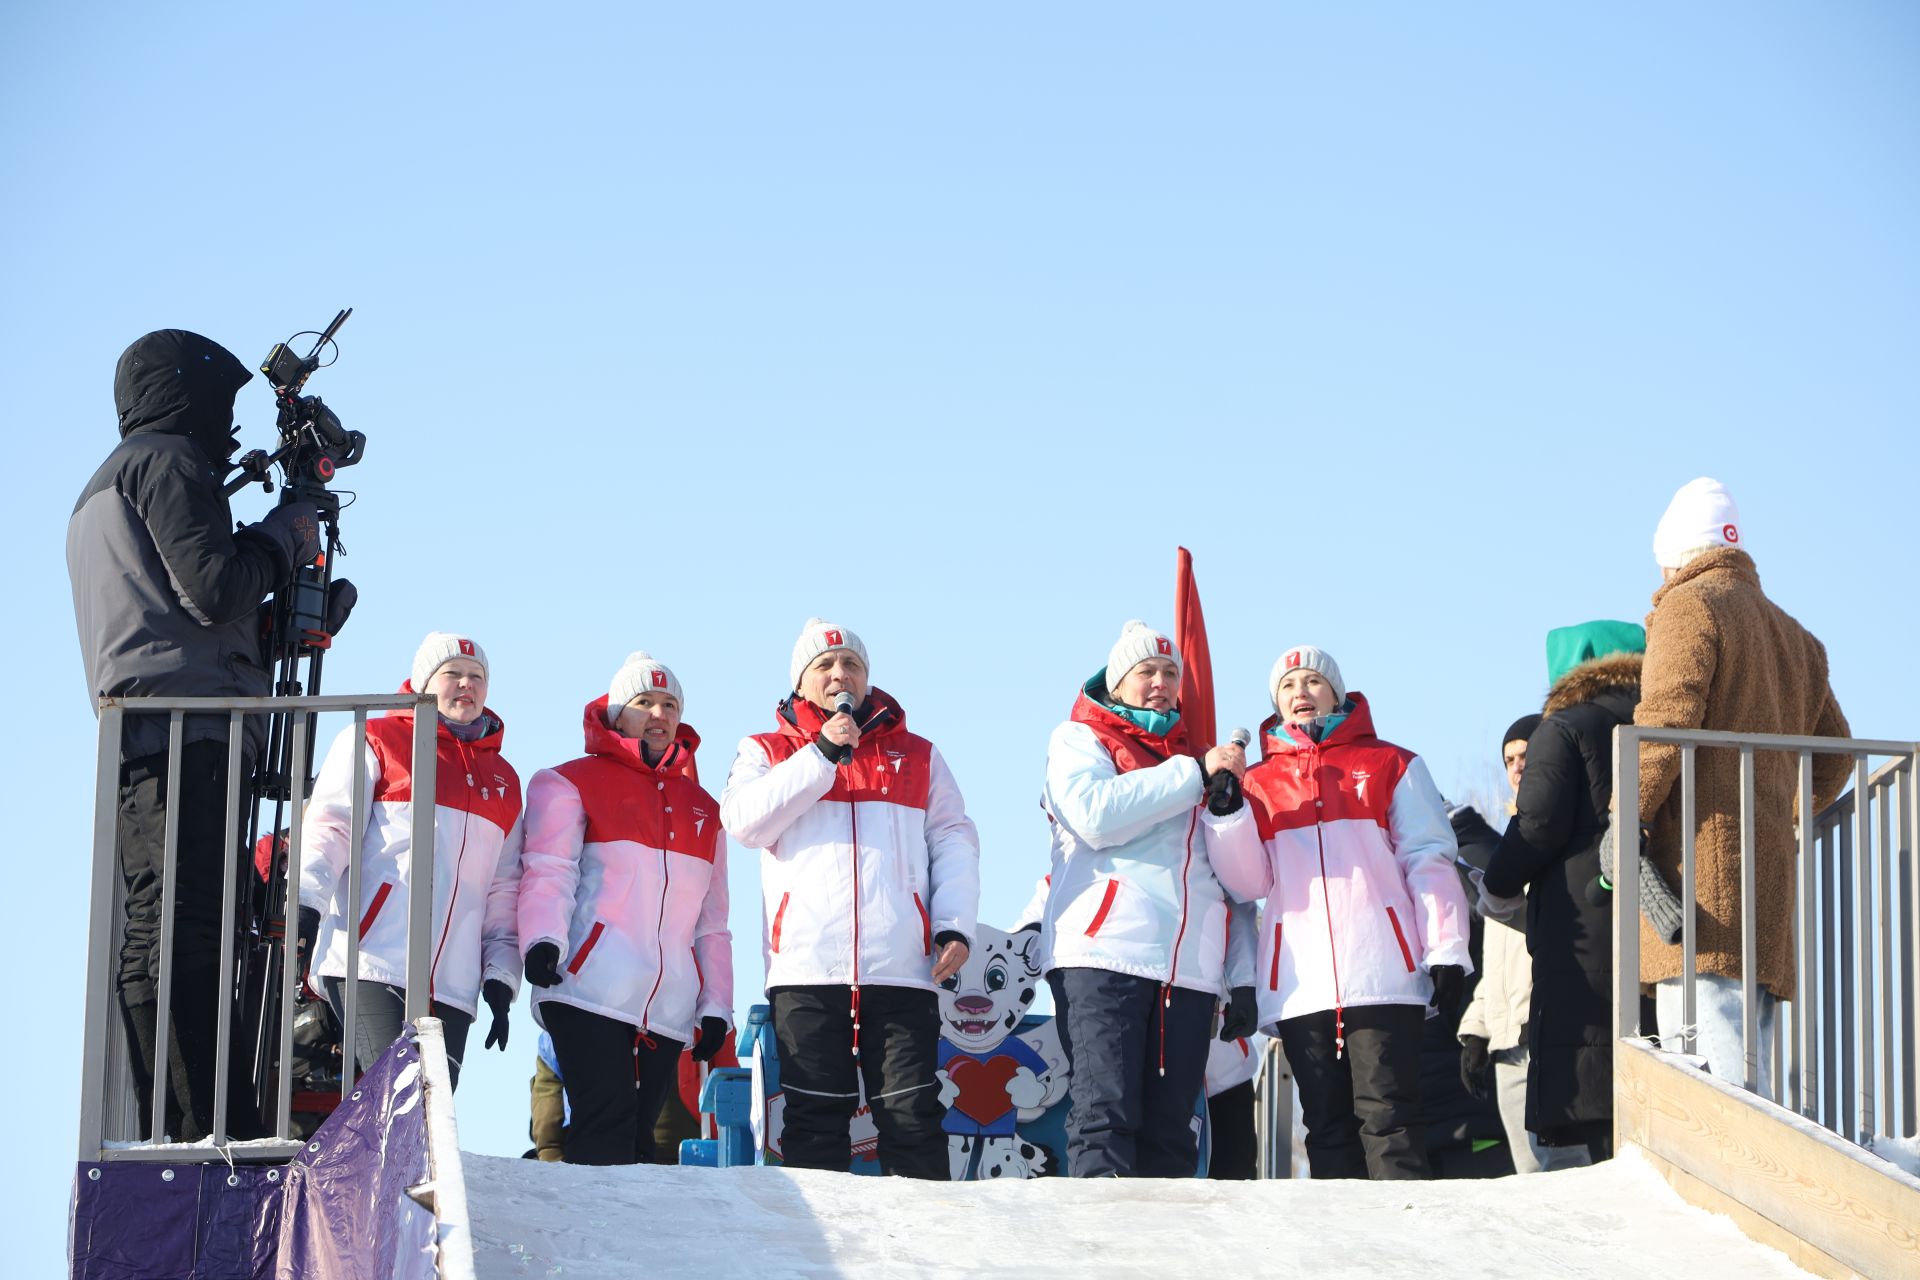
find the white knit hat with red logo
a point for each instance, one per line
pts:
(820, 636)
(1136, 644)
(1702, 517)
(641, 673)
(440, 648)
(1312, 659)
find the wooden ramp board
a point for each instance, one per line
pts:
(1831, 1206)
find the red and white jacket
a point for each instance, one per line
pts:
(1131, 889)
(1348, 841)
(867, 862)
(626, 872)
(476, 859)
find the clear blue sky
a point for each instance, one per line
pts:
(672, 329)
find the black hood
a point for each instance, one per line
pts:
(181, 384)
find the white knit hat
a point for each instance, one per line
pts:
(440, 648)
(1701, 517)
(641, 673)
(820, 636)
(1305, 655)
(1136, 644)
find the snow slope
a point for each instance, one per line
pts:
(1615, 1221)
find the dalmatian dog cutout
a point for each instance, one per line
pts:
(991, 1079)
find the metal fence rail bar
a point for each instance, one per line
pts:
(1845, 1049)
(108, 1123)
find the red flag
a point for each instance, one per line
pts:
(1196, 675)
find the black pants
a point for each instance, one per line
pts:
(616, 1077)
(1139, 1055)
(204, 862)
(821, 1077)
(1230, 1118)
(1362, 1107)
(380, 1015)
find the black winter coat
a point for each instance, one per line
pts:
(165, 593)
(1551, 850)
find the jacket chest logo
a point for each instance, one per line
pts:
(895, 759)
(1360, 780)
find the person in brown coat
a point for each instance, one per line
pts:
(1720, 655)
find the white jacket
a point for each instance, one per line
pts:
(626, 872)
(476, 860)
(865, 863)
(1502, 997)
(1132, 890)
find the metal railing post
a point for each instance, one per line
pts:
(1749, 940)
(1689, 926)
(229, 893)
(350, 985)
(1805, 972)
(1911, 973)
(290, 916)
(426, 732)
(1887, 935)
(1862, 950)
(102, 994)
(1626, 882)
(169, 870)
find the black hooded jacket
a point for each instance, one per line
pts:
(166, 594)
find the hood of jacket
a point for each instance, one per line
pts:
(879, 714)
(488, 741)
(1588, 682)
(604, 740)
(1090, 710)
(1277, 738)
(179, 383)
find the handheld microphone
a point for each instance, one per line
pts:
(1240, 738)
(843, 703)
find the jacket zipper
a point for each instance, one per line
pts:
(459, 860)
(853, 815)
(659, 929)
(1326, 902)
(373, 908)
(1273, 979)
(926, 925)
(586, 948)
(1400, 937)
(779, 914)
(1106, 905)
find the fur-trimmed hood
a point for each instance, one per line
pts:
(1617, 672)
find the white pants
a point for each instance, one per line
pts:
(1717, 1021)
(1510, 1086)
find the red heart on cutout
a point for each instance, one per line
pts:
(983, 1086)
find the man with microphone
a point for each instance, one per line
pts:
(870, 884)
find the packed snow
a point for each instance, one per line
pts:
(1617, 1219)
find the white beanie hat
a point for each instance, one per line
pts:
(640, 673)
(1701, 516)
(1312, 659)
(440, 648)
(820, 636)
(1136, 644)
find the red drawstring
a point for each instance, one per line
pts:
(1166, 1003)
(640, 1038)
(856, 1022)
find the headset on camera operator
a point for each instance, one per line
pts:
(168, 599)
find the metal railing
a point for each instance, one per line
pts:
(1843, 1053)
(1273, 1113)
(109, 1123)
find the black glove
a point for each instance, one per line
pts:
(309, 929)
(543, 965)
(293, 530)
(1449, 984)
(713, 1034)
(1243, 1017)
(342, 595)
(1223, 794)
(499, 998)
(1474, 1061)
(837, 753)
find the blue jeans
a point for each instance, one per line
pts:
(1718, 1020)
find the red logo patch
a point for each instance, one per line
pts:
(833, 640)
(466, 647)
(1293, 659)
(1730, 533)
(659, 679)
(1165, 646)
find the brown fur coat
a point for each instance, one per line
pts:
(1720, 655)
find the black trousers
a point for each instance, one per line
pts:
(821, 1077)
(616, 1077)
(1230, 1118)
(1139, 1055)
(1361, 1107)
(204, 862)
(380, 1014)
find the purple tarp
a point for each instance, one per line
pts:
(339, 1211)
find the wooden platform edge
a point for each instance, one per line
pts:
(1723, 1149)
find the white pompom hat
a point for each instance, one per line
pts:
(440, 648)
(820, 636)
(641, 673)
(1137, 643)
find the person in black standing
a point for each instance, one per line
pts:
(167, 597)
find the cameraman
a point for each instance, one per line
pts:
(167, 596)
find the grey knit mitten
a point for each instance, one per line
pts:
(1658, 902)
